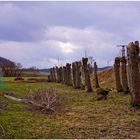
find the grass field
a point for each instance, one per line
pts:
(82, 117)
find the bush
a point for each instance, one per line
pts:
(45, 100)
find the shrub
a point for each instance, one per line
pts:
(45, 100)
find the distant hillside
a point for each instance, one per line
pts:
(5, 61)
(104, 68)
(106, 78)
(99, 69)
(44, 70)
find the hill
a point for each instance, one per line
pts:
(5, 61)
(99, 69)
(106, 78)
(44, 70)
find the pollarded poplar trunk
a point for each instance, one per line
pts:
(96, 76)
(133, 58)
(65, 75)
(49, 79)
(78, 76)
(82, 77)
(90, 68)
(68, 69)
(74, 74)
(117, 74)
(87, 75)
(54, 75)
(124, 75)
(51, 75)
(58, 74)
(61, 74)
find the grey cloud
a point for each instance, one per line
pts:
(38, 33)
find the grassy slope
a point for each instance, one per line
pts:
(106, 78)
(83, 116)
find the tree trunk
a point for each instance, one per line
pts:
(87, 75)
(96, 76)
(117, 74)
(133, 59)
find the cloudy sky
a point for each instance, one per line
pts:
(40, 33)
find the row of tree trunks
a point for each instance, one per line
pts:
(133, 81)
(9, 72)
(78, 76)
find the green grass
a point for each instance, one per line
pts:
(83, 116)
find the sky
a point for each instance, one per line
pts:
(45, 34)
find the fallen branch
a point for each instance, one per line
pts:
(44, 100)
(15, 99)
